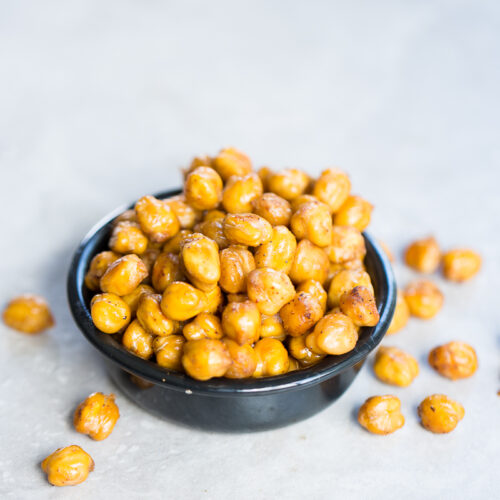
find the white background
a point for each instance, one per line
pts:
(102, 101)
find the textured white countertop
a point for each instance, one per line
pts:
(102, 101)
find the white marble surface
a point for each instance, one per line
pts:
(102, 101)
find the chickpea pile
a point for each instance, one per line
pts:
(245, 274)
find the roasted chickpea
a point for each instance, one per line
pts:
(247, 229)
(272, 358)
(454, 360)
(203, 188)
(288, 183)
(168, 351)
(332, 188)
(401, 315)
(68, 466)
(182, 301)
(461, 264)
(28, 313)
(424, 299)
(315, 289)
(200, 257)
(127, 237)
(166, 270)
(278, 253)
(124, 275)
(440, 414)
(128, 215)
(269, 289)
(303, 354)
(312, 221)
(96, 416)
(296, 203)
(157, 219)
(347, 245)
(109, 312)
(230, 162)
(138, 341)
(264, 173)
(173, 245)
(355, 211)
(204, 326)
(301, 314)
(310, 263)
(334, 333)
(132, 299)
(394, 366)
(151, 317)
(239, 192)
(206, 358)
(214, 229)
(345, 281)
(294, 365)
(214, 301)
(381, 414)
(272, 327)
(423, 255)
(241, 322)
(244, 359)
(186, 214)
(97, 268)
(199, 161)
(359, 304)
(235, 262)
(273, 208)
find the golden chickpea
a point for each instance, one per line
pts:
(241, 322)
(28, 313)
(128, 216)
(214, 229)
(461, 264)
(312, 221)
(269, 289)
(138, 341)
(296, 203)
(272, 358)
(200, 257)
(394, 366)
(157, 219)
(132, 299)
(124, 275)
(381, 415)
(334, 333)
(127, 237)
(151, 317)
(247, 229)
(169, 350)
(214, 214)
(97, 268)
(303, 354)
(239, 192)
(244, 359)
(203, 188)
(347, 244)
(68, 466)
(235, 262)
(182, 301)
(273, 208)
(310, 263)
(401, 315)
(300, 314)
(359, 304)
(423, 255)
(345, 281)
(332, 188)
(272, 327)
(173, 245)
(206, 358)
(294, 365)
(230, 162)
(109, 312)
(214, 300)
(315, 289)
(278, 253)
(424, 299)
(355, 211)
(288, 183)
(186, 214)
(440, 414)
(204, 326)
(264, 173)
(454, 360)
(96, 416)
(166, 270)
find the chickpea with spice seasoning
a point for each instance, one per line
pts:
(206, 358)
(454, 360)
(273, 208)
(440, 414)
(68, 466)
(332, 188)
(381, 415)
(28, 313)
(96, 416)
(461, 264)
(203, 188)
(157, 219)
(109, 312)
(355, 211)
(239, 193)
(423, 255)
(98, 266)
(124, 275)
(394, 366)
(424, 299)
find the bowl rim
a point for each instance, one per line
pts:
(223, 387)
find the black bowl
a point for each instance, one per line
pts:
(224, 404)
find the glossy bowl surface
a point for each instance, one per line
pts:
(225, 404)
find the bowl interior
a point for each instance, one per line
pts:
(79, 298)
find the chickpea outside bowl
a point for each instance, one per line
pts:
(225, 404)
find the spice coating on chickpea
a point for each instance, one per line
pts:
(312, 221)
(110, 313)
(166, 270)
(315, 289)
(200, 257)
(272, 326)
(381, 415)
(394, 366)
(204, 326)
(203, 188)
(168, 351)
(275, 209)
(235, 263)
(454, 360)
(301, 314)
(132, 299)
(124, 275)
(461, 264)
(28, 314)
(423, 255)
(355, 211)
(231, 161)
(68, 466)
(157, 219)
(151, 317)
(278, 253)
(334, 333)
(127, 237)
(332, 188)
(424, 299)
(347, 244)
(96, 416)
(359, 304)
(269, 289)
(272, 358)
(401, 315)
(247, 229)
(239, 193)
(243, 359)
(214, 229)
(309, 263)
(440, 414)
(302, 353)
(98, 266)
(344, 281)
(186, 214)
(173, 245)
(241, 322)
(288, 183)
(206, 358)
(138, 341)
(182, 301)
